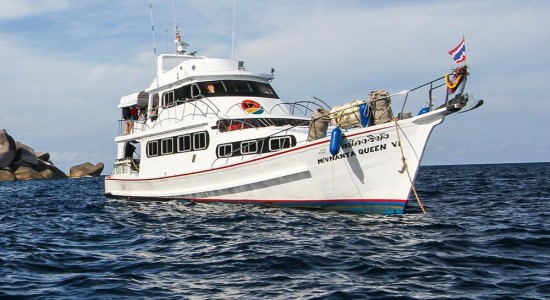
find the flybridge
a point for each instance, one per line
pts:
(173, 67)
(166, 62)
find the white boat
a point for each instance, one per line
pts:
(212, 131)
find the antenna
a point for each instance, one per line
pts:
(166, 40)
(154, 42)
(175, 25)
(233, 34)
(181, 46)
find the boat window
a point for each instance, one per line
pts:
(152, 149)
(184, 143)
(225, 150)
(200, 140)
(195, 91)
(213, 88)
(182, 93)
(168, 99)
(225, 125)
(167, 146)
(257, 146)
(249, 147)
(279, 143)
(178, 144)
(216, 89)
(242, 87)
(153, 109)
(265, 89)
(234, 88)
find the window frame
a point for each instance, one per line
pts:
(152, 145)
(166, 142)
(284, 142)
(198, 142)
(227, 153)
(184, 148)
(168, 99)
(246, 149)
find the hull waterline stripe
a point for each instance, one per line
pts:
(383, 206)
(309, 202)
(340, 201)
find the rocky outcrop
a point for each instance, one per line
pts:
(49, 171)
(7, 149)
(43, 156)
(86, 170)
(6, 176)
(25, 156)
(27, 173)
(20, 162)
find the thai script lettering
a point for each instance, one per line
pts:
(368, 139)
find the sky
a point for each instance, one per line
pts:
(64, 64)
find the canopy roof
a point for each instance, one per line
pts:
(139, 99)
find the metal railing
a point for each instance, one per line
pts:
(203, 106)
(192, 108)
(301, 108)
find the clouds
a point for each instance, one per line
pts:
(12, 10)
(65, 64)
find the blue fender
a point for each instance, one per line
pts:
(335, 138)
(364, 114)
(424, 110)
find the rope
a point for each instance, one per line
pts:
(404, 160)
(135, 166)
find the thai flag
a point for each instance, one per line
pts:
(459, 53)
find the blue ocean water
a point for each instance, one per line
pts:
(486, 235)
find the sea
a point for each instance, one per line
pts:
(485, 235)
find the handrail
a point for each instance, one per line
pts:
(433, 87)
(197, 111)
(293, 105)
(203, 106)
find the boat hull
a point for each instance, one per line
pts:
(367, 175)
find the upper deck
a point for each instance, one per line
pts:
(176, 69)
(196, 89)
